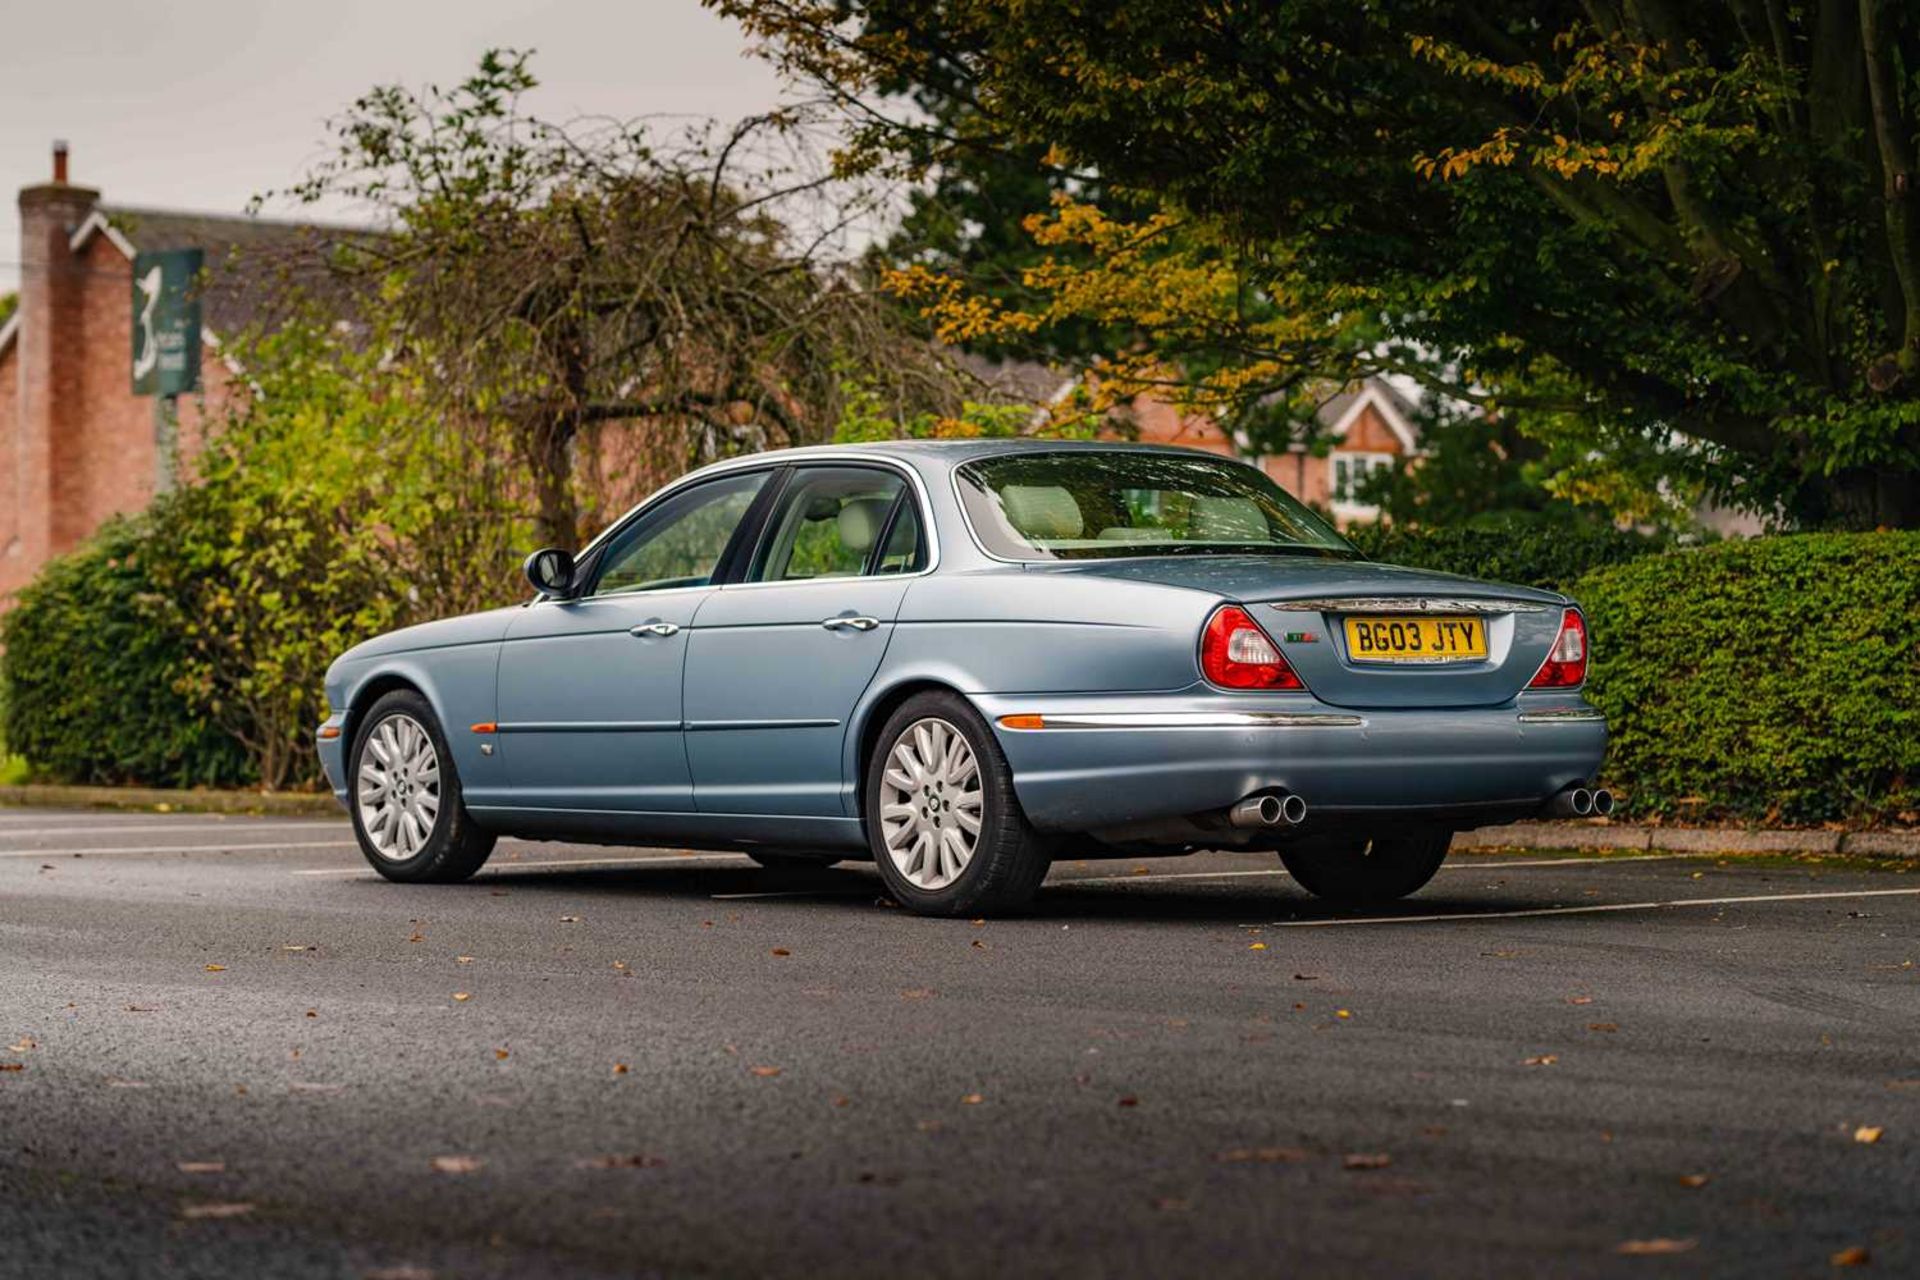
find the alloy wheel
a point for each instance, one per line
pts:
(399, 791)
(931, 804)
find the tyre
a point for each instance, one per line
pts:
(408, 814)
(1360, 872)
(791, 861)
(946, 828)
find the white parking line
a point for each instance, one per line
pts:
(672, 859)
(1597, 908)
(237, 828)
(175, 848)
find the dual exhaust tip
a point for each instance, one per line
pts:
(1270, 810)
(1581, 802)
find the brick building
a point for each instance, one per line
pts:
(76, 445)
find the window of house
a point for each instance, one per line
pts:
(1351, 471)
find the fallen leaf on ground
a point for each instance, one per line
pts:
(917, 993)
(1659, 1244)
(216, 1209)
(1128, 1100)
(26, 1045)
(216, 968)
(1306, 977)
(620, 1162)
(766, 1073)
(456, 1164)
(781, 951)
(1142, 871)
(1342, 1013)
(620, 1068)
(1867, 1133)
(620, 966)
(298, 947)
(13, 1066)
(1367, 1160)
(1262, 1155)
(1603, 1026)
(1693, 1181)
(1256, 946)
(1853, 1256)
(1579, 999)
(569, 919)
(463, 959)
(979, 945)
(972, 1100)
(143, 1008)
(313, 1013)
(201, 1166)
(1541, 1060)
(418, 937)
(500, 1055)
(462, 996)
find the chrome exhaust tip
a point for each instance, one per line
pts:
(1293, 810)
(1574, 802)
(1257, 811)
(1602, 802)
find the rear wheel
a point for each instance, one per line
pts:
(946, 828)
(1358, 872)
(408, 814)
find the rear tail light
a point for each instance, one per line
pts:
(1566, 664)
(1236, 654)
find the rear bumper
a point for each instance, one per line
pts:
(1110, 760)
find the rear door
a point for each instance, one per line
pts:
(589, 688)
(776, 663)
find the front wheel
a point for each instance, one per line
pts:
(408, 812)
(947, 831)
(1362, 872)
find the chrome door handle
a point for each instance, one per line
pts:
(654, 629)
(857, 624)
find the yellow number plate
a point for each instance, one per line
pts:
(1416, 639)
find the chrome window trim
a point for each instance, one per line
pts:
(774, 462)
(1410, 604)
(1194, 720)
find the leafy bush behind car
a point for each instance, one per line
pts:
(1530, 552)
(1774, 679)
(87, 687)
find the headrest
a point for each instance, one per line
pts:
(860, 521)
(1041, 511)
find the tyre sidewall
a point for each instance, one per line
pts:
(434, 849)
(1004, 839)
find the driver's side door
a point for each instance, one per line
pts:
(589, 688)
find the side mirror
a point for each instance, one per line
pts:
(550, 570)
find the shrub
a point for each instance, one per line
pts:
(1773, 679)
(87, 688)
(1531, 552)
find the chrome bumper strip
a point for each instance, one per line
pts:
(1199, 720)
(1563, 715)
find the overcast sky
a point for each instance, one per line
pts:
(199, 104)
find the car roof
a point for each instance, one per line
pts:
(953, 452)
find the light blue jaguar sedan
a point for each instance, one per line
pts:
(964, 659)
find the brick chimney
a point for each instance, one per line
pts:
(49, 343)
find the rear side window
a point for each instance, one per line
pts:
(1095, 504)
(831, 522)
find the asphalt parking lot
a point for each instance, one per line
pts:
(230, 1050)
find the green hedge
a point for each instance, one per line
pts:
(87, 688)
(1774, 679)
(1531, 552)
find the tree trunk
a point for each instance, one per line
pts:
(549, 449)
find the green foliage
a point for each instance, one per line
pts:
(9, 303)
(1621, 221)
(88, 686)
(1774, 679)
(865, 416)
(189, 646)
(1530, 551)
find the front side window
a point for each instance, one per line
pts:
(679, 543)
(829, 524)
(1097, 504)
